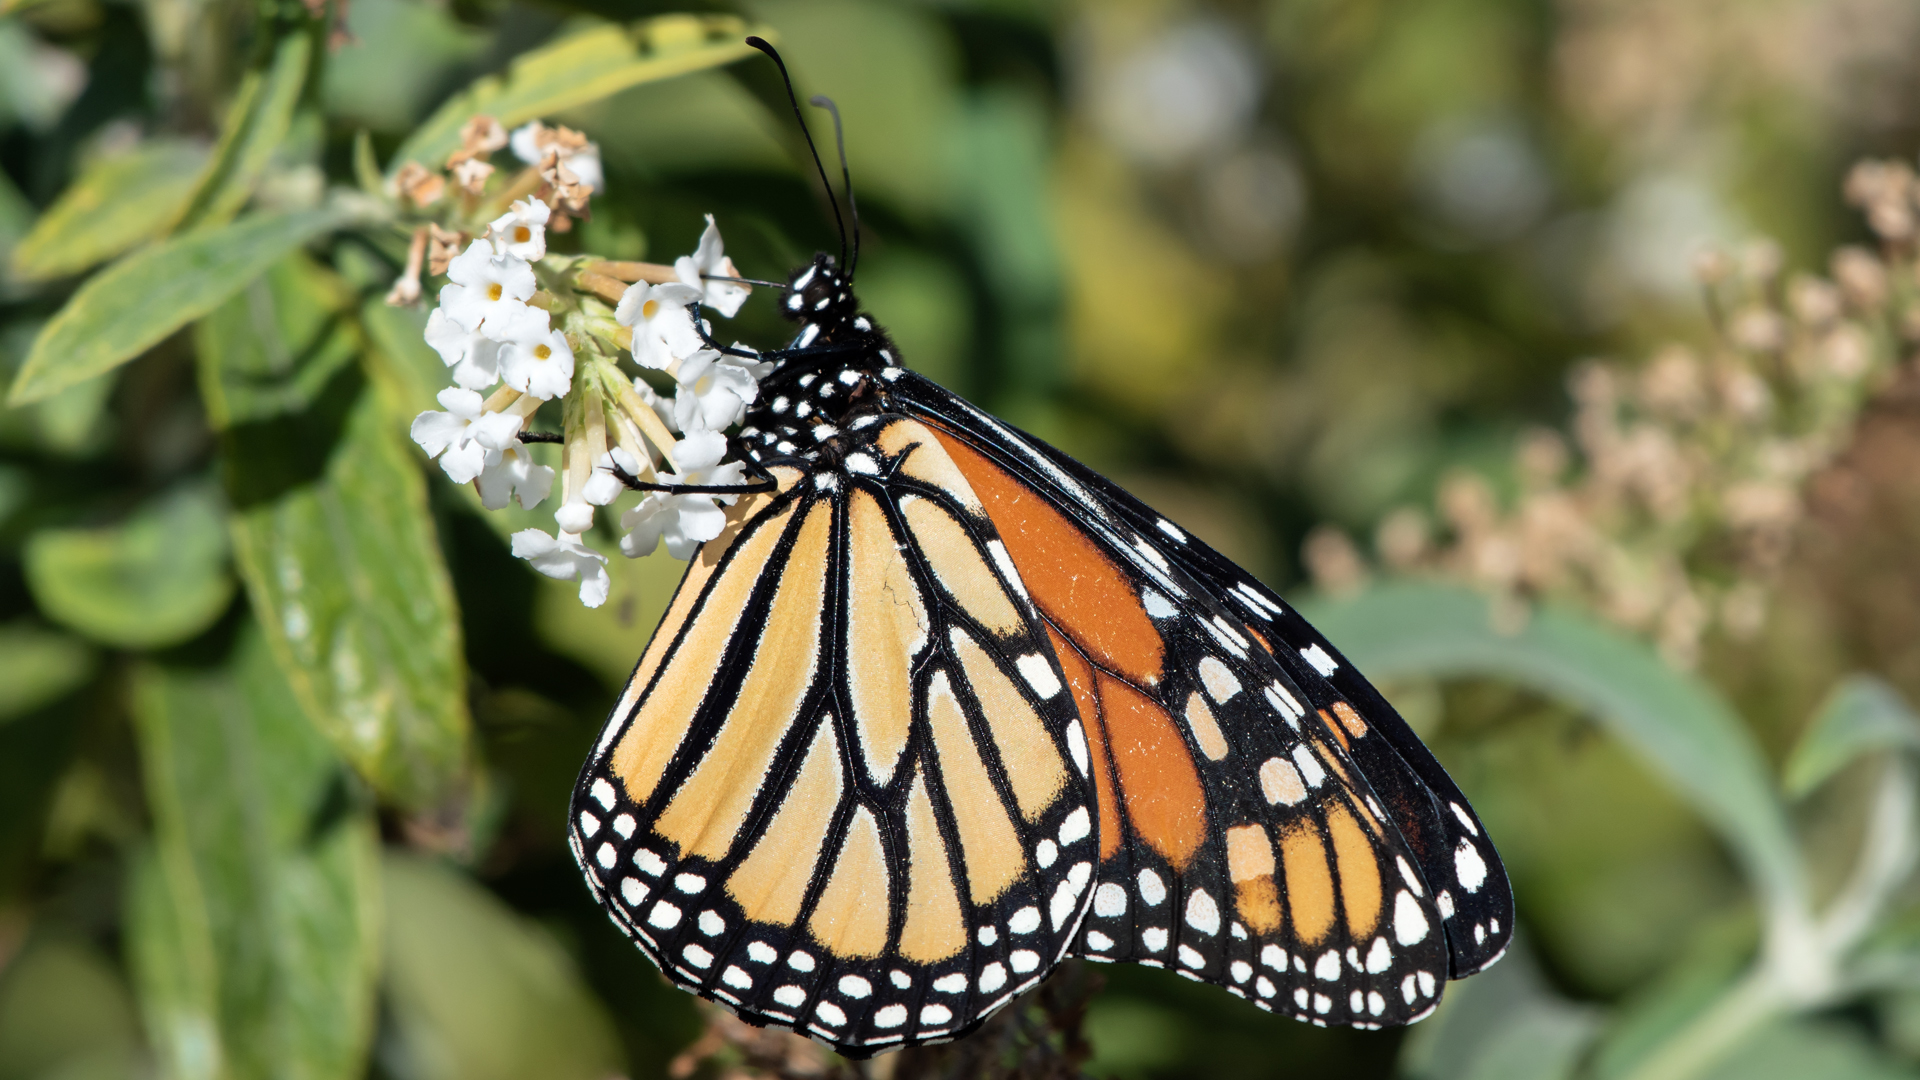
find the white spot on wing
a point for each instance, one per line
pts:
(1109, 901)
(1218, 679)
(1170, 529)
(1309, 765)
(1025, 921)
(992, 977)
(1039, 674)
(1202, 913)
(1005, 564)
(1075, 826)
(1468, 867)
(890, 1017)
(1152, 891)
(697, 956)
(1409, 922)
(1077, 746)
(791, 996)
(854, 986)
(1466, 819)
(602, 793)
(1023, 960)
(1191, 957)
(1327, 968)
(1380, 957)
(1157, 606)
(1154, 938)
(1317, 656)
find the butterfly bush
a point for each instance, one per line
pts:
(518, 327)
(1671, 503)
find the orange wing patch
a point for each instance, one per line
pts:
(1072, 581)
(1164, 800)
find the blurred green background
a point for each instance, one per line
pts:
(287, 736)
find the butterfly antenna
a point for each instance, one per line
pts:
(839, 223)
(822, 101)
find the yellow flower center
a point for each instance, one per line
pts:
(647, 309)
(541, 352)
(493, 291)
(522, 234)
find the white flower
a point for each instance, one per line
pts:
(603, 486)
(714, 393)
(685, 521)
(522, 231)
(564, 557)
(662, 407)
(511, 472)
(711, 258)
(574, 517)
(486, 287)
(462, 436)
(474, 357)
(663, 329)
(525, 142)
(542, 368)
(585, 163)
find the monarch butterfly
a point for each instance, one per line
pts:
(942, 707)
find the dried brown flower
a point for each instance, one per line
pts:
(414, 183)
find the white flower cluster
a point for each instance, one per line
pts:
(495, 329)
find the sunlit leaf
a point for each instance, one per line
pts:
(135, 303)
(158, 578)
(257, 122)
(1679, 724)
(256, 923)
(578, 70)
(345, 572)
(116, 204)
(1861, 715)
(479, 993)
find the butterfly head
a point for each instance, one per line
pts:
(818, 293)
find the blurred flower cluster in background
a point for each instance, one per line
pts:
(1557, 357)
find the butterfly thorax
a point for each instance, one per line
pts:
(834, 372)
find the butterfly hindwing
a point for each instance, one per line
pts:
(1260, 722)
(846, 790)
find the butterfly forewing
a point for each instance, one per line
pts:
(847, 790)
(1445, 835)
(1297, 803)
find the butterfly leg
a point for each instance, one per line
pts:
(763, 482)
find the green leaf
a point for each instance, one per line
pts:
(38, 667)
(1861, 715)
(256, 123)
(116, 204)
(135, 303)
(1679, 724)
(345, 573)
(159, 578)
(255, 923)
(479, 993)
(16, 218)
(277, 346)
(403, 359)
(1801, 1049)
(65, 1012)
(1504, 1024)
(578, 70)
